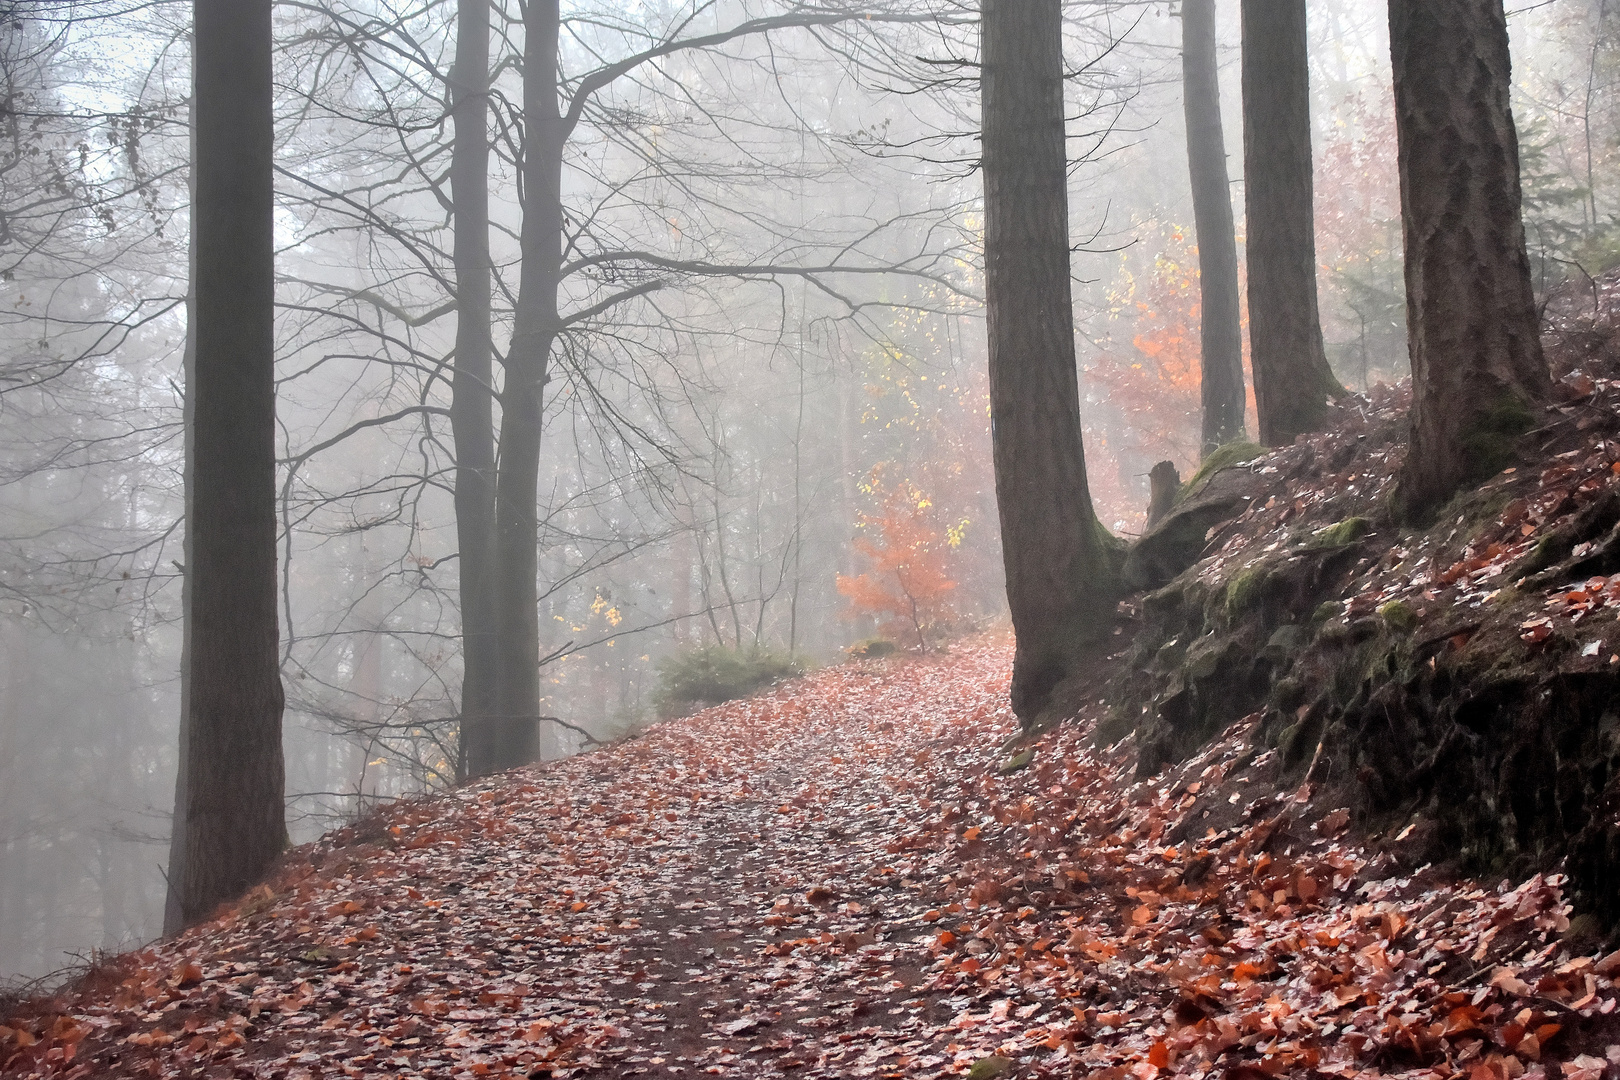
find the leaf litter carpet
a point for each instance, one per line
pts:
(849, 877)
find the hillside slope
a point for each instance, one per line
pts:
(847, 878)
(1460, 674)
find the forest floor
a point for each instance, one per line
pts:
(849, 876)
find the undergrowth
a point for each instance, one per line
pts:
(712, 674)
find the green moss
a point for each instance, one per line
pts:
(1113, 550)
(1334, 635)
(1478, 509)
(991, 1067)
(1243, 591)
(1489, 438)
(1222, 457)
(1296, 743)
(1399, 615)
(1288, 693)
(1018, 761)
(1169, 655)
(1327, 609)
(1202, 663)
(1286, 739)
(1341, 534)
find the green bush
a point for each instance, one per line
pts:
(712, 674)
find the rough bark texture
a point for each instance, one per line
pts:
(522, 397)
(1221, 326)
(235, 818)
(174, 914)
(1164, 484)
(1060, 579)
(1473, 329)
(1292, 379)
(472, 401)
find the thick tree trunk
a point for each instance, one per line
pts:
(1472, 325)
(1060, 577)
(522, 396)
(1292, 379)
(174, 915)
(472, 399)
(235, 818)
(1221, 327)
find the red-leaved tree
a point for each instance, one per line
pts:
(909, 584)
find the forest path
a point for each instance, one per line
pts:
(712, 898)
(846, 877)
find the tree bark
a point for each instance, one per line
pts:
(522, 395)
(174, 915)
(1164, 484)
(1473, 330)
(472, 399)
(1292, 379)
(1221, 325)
(1060, 574)
(235, 818)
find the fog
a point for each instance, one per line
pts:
(773, 374)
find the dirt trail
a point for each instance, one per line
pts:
(646, 910)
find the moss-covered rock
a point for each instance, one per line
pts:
(991, 1067)
(1018, 762)
(1399, 616)
(1214, 497)
(1327, 609)
(1244, 591)
(1222, 457)
(1341, 534)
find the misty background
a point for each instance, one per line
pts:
(729, 457)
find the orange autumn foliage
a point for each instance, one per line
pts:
(909, 585)
(1150, 393)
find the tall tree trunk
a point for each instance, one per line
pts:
(1060, 573)
(472, 400)
(1292, 379)
(1221, 327)
(235, 817)
(174, 915)
(1472, 325)
(522, 395)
